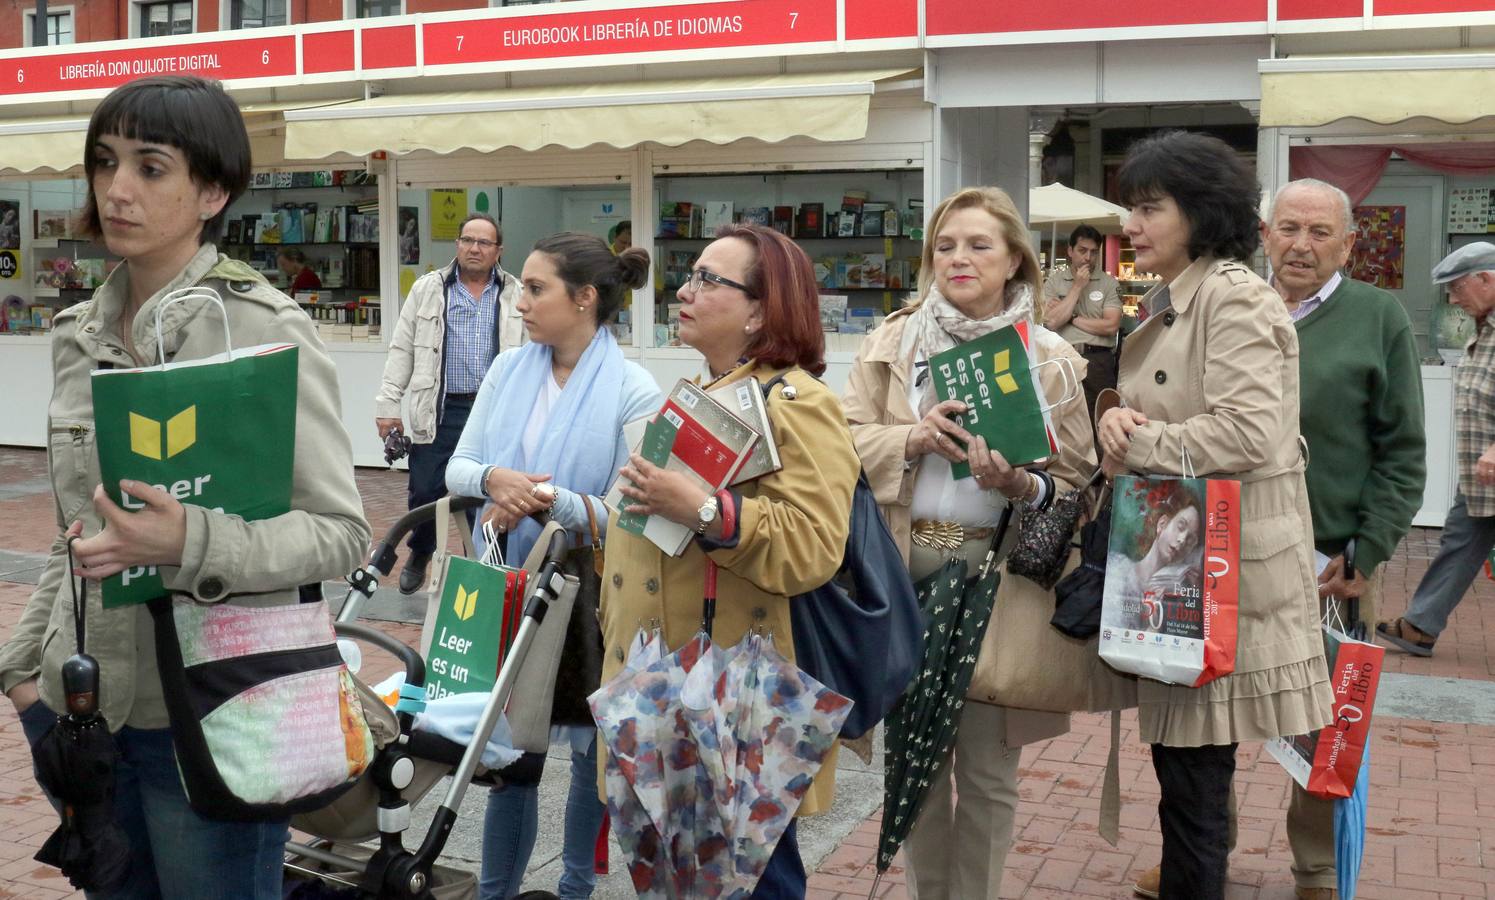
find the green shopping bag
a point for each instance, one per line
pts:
(482, 607)
(218, 432)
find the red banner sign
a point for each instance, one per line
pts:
(86, 70)
(963, 17)
(741, 23)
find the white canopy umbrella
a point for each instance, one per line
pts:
(1055, 205)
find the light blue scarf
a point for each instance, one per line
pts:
(580, 438)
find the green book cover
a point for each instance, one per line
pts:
(992, 375)
(216, 432)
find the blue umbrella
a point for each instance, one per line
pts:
(1349, 830)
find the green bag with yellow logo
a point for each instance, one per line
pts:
(218, 432)
(480, 610)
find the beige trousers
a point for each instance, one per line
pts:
(957, 849)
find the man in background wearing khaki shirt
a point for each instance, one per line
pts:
(1082, 302)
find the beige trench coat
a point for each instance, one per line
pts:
(792, 532)
(877, 405)
(261, 563)
(1216, 373)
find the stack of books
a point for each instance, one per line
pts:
(717, 439)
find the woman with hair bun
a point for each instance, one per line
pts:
(546, 437)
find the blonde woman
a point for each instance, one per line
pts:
(979, 274)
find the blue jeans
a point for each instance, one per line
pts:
(428, 471)
(512, 820)
(1462, 549)
(176, 853)
(784, 878)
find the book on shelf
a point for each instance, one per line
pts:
(898, 275)
(832, 311)
(913, 220)
(852, 201)
(810, 221)
(267, 229)
(284, 179)
(233, 231)
(744, 399)
(872, 220)
(825, 271)
(758, 215)
(993, 376)
(290, 225)
(676, 220)
(52, 224)
(262, 180)
(891, 223)
(715, 215)
(783, 219)
(695, 436)
(846, 225)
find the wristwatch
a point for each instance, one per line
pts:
(706, 515)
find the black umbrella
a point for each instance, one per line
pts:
(1077, 596)
(75, 764)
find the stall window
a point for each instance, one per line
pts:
(59, 27)
(170, 17)
(258, 13)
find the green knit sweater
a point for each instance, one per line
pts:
(1361, 413)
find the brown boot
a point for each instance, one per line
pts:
(1304, 893)
(1149, 883)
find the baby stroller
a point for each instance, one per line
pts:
(378, 806)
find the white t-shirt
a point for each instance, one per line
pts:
(938, 497)
(538, 417)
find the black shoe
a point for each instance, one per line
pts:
(414, 573)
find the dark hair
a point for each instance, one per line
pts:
(1085, 233)
(622, 226)
(194, 115)
(498, 231)
(583, 259)
(1212, 185)
(782, 279)
(294, 254)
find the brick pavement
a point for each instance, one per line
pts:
(1432, 812)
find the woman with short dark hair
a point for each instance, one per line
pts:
(751, 308)
(1210, 385)
(164, 159)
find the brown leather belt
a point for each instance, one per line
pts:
(947, 535)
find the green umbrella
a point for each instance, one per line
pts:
(921, 728)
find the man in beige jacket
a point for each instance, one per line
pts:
(453, 325)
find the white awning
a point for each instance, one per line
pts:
(55, 144)
(829, 106)
(1315, 90)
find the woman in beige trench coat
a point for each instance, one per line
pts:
(1213, 374)
(979, 273)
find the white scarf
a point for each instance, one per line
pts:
(937, 325)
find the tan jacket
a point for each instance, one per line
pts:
(1216, 373)
(881, 417)
(416, 362)
(792, 535)
(325, 536)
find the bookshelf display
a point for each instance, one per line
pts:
(862, 230)
(330, 216)
(63, 270)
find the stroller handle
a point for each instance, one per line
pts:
(386, 552)
(415, 667)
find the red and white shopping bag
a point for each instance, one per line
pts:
(1327, 762)
(1172, 578)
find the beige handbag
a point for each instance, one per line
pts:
(1027, 663)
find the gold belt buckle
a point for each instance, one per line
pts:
(943, 536)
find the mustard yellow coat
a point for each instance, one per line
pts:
(791, 536)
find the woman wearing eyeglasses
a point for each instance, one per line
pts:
(751, 308)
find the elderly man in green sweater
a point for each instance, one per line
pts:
(1360, 411)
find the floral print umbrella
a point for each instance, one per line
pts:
(921, 728)
(710, 752)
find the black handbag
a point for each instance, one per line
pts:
(1078, 595)
(861, 634)
(1046, 535)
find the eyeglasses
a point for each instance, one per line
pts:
(480, 243)
(700, 276)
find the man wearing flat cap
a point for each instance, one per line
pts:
(1469, 532)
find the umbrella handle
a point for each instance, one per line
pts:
(708, 602)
